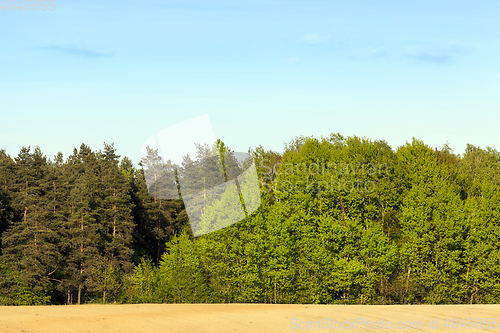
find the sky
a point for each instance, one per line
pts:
(263, 71)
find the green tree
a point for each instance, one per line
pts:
(181, 272)
(116, 211)
(432, 223)
(480, 177)
(84, 225)
(6, 179)
(105, 278)
(146, 283)
(31, 244)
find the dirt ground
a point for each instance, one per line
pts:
(249, 318)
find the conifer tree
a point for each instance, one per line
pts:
(6, 178)
(144, 211)
(84, 222)
(31, 244)
(116, 211)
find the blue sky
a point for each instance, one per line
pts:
(264, 71)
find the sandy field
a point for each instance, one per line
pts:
(249, 318)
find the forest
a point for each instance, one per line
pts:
(341, 220)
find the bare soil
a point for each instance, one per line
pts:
(249, 318)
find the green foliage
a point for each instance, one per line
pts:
(342, 220)
(59, 219)
(181, 275)
(145, 282)
(105, 278)
(26, 295)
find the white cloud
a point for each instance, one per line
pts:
(437, 53)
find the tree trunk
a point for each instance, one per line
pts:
(79, 293)
(274, 292)
(407, 282)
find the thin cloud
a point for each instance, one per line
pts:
(439, 54)
(370, 53)
(293, 60)
(78, 50)
(313, 39)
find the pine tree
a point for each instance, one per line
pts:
(116, 211)
(144, 212)
(7, 282)
(164, 184)
(31, 244)
(6, 178)
(84, 223)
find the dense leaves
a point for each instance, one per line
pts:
(70, 229)
(342, 220)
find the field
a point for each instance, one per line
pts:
(248, 318)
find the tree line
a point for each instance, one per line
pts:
(342, 220)
(70, 229)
